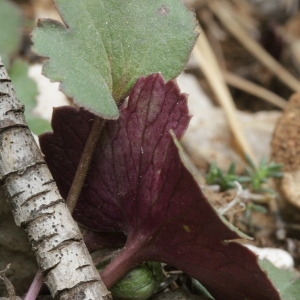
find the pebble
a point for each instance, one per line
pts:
(278, 257)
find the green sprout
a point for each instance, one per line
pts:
(260, 174)
(225, 180)
(255, 178)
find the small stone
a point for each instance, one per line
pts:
(290, 187)
(285, 141)
(278, 257)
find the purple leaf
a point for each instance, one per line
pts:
(138, 185)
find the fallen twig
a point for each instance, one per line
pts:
(224, 13)
(254, 89)
(209, 65)
(56, 240)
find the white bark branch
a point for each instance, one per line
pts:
(38, 207)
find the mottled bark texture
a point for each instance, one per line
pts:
(38, 207)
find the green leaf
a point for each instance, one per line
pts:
(37, 125)
(26, 90)
(106, 45)
(10, 34)
(286, 282)
(199, 289)
(250, 162)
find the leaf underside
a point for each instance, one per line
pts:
(105, 45)
(27, 92)
(138, 185)
(10, 34)
(286, 281)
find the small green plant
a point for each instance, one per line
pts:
(260, 174)
(225, 180)
(254, 179)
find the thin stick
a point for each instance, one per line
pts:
(226, 16)
(245, 15)
(254, 89)
(230, 78)
(209, 65)
(84, 163)
(214, 35)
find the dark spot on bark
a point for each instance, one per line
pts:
(80, 296)
(163, 10)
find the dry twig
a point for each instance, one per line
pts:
(254, 89)
(209, 65)
(225, 14)
(38, 207)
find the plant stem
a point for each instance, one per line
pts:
(35, 286)
(84, 163)
(122, 264)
